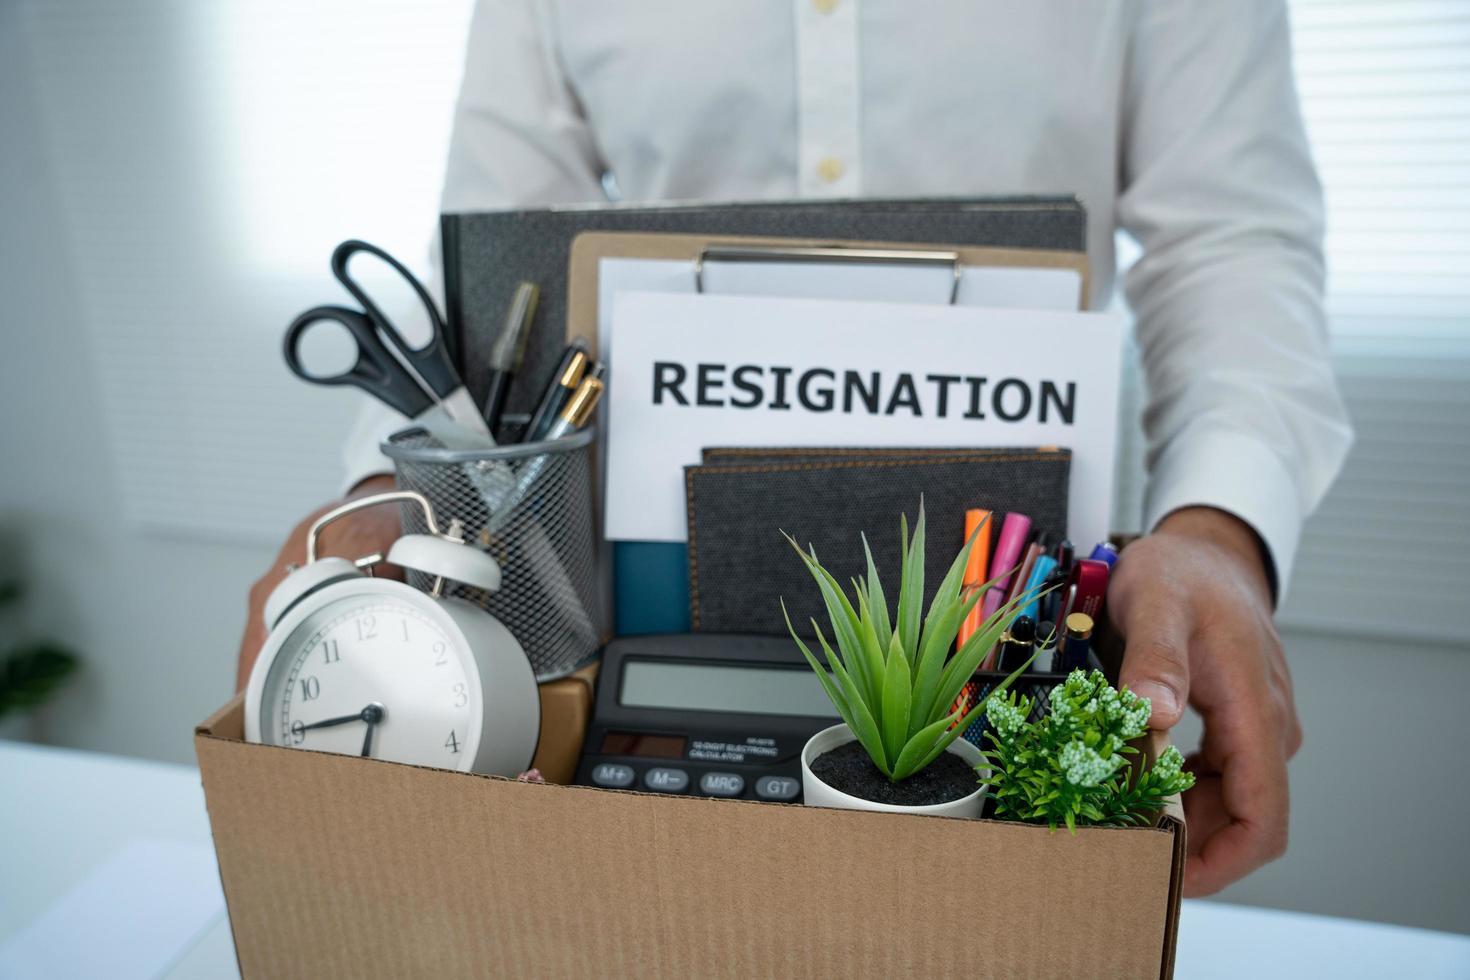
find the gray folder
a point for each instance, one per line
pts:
(487, 253)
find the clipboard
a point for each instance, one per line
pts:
(589, 248)
(661, 600)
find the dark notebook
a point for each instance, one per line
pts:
(486, 254)
(740, 567)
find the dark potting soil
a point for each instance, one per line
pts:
(848, 768)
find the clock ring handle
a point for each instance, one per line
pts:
(362, 503)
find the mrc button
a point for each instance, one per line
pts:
(777, 787)
(612, 776)
(721, 784)
(663, 780)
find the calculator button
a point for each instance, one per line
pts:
(721, 784)
(663, 780)
(612, 776)
(777, 787)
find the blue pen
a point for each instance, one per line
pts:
(1044, 566)
(1105, 553)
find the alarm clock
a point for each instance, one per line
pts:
(372, 667)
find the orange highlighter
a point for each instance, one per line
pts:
(975, 569)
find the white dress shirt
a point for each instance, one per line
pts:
(1177, 122)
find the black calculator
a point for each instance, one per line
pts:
(704, 714)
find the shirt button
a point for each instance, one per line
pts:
(824, 6)
(830, 169)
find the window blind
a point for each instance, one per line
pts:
(1385, 91)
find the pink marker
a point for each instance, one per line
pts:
(1007, 553)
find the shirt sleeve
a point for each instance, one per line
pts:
(519, 139)
(1219, 188)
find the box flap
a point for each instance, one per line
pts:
(227, 722)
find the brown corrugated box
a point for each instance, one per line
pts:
(346, 867)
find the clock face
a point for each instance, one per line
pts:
(374, 675)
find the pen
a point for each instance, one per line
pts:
(1076, 642)
(1065, 555)
(563, 386)
(509, 349)
(572, 417)
(1046, 646)
(1002, 566)
(1016, 648)
(975, 520)
(577, 410)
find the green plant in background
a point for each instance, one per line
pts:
(1070, 766)
(894, 681)
(30, 672)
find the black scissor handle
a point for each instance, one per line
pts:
(375, 371)
(431, 361)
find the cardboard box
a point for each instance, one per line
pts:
(347, 867)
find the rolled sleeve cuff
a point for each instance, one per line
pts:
(361, 455)
(1237, 474)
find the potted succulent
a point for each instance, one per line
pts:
(893, 683)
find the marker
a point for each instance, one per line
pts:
(1105, 553)
(509, 349)
(1002, 566)
(1076, 643)
(1040, 571)
(975, 520)
(1090, 579)
(563, 385)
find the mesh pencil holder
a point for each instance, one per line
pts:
(530, 506)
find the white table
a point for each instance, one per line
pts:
(66, 814)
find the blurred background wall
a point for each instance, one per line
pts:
(173, 177)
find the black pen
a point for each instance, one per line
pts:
(563, 385)
(1016, 649)
(509, 349)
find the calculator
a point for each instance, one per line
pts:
(704, 714)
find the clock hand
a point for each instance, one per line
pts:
(372, 714)
(332, 721)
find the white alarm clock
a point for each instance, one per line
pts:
(372, 667)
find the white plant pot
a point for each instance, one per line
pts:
(817, 793)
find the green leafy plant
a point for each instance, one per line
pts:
(30, 672)
(1071, 765)
(893, 681)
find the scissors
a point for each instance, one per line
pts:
(438, 387)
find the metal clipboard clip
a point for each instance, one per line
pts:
(825, 255)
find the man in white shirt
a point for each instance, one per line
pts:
(1176, 122)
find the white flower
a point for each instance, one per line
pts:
(1006, 717)
(1081, 766)
(1169, 764)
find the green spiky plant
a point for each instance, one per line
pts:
(893, 681)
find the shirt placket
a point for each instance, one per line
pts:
(829, 164)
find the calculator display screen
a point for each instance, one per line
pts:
(758, 690)
(648, 746)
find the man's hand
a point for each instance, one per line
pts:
(1193, 603)
(363, 533)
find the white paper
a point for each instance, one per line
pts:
(1065, 365)
(1026, 287)
(134, 916)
